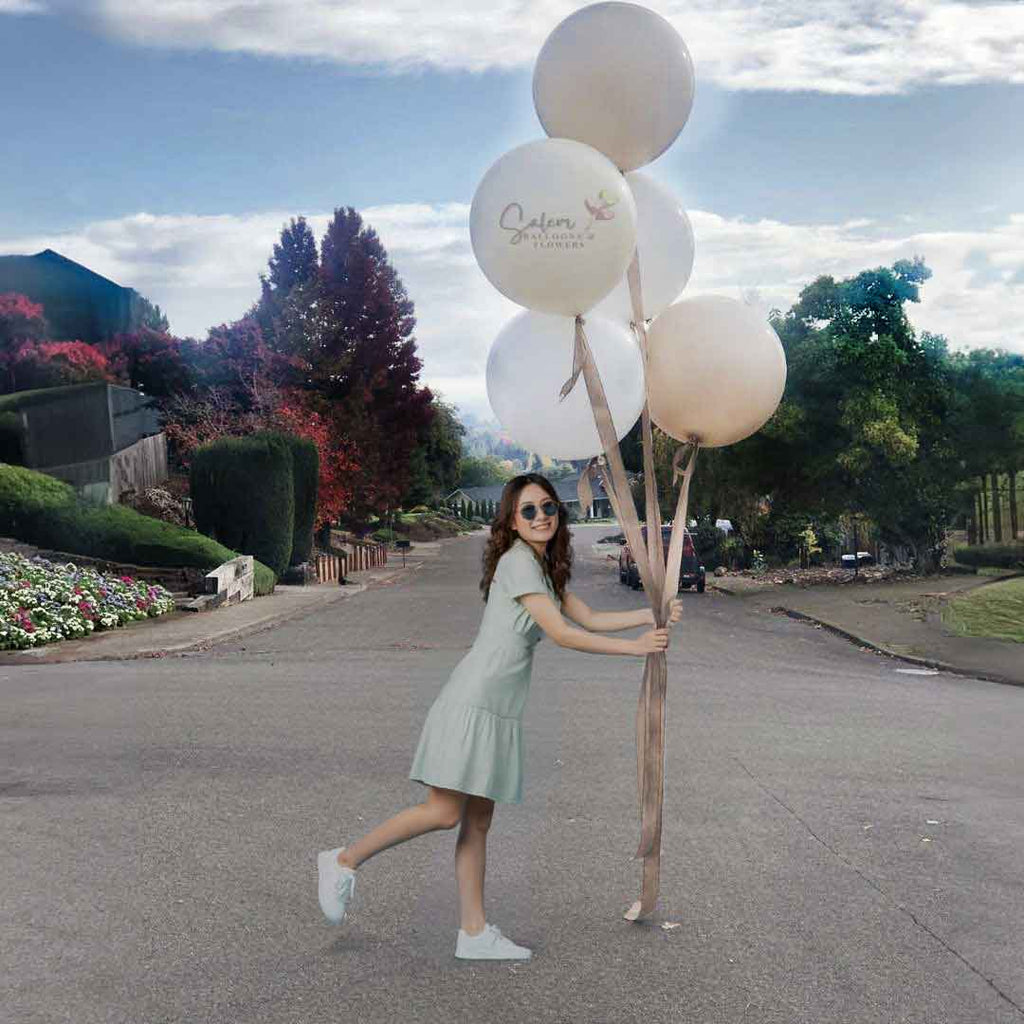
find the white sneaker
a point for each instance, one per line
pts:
(489, 944)
(337, 885)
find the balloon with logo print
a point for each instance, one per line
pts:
(664, 238)
(530, 360)
(553, 226)
(618, 77)
(716, 370)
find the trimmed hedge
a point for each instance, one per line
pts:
(243, 495)
(44, 511)
(1000, 556)
(306, 477)
(11, 446)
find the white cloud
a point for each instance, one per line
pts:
(835, 46)
(22, 7)
(204, 271)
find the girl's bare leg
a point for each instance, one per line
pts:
(443, 808)
(471, 862)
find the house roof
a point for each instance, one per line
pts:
(48, 256)
(564, 488)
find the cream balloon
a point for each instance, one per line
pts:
(553, 226)
(618, 77)
(664, 238)
(530, 360)
(716, 370)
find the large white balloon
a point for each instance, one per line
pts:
(664, 237)
(553, 226)
(531, 359)
(716, 370)
(617, 77)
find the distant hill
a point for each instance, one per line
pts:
(487, 437)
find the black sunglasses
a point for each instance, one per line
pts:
(529, 511)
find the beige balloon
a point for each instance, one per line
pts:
(716, 370)
(553, 226)
(618, 77)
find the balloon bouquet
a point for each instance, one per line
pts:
(563, 227)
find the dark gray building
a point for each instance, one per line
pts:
(79, 305)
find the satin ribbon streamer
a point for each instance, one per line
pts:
(660, 580)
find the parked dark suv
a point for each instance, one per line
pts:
(691, 572)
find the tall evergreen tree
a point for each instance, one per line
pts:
(288, 291)
(364, 362)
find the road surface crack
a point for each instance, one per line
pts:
(874, 885)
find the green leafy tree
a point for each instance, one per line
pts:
(868, 426)
(151, 316)
(989, 424)
(434, 464)
(482, 472)
(865, 427)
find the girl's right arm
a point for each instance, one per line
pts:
(546, 614)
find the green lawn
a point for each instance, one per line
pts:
(996, 610)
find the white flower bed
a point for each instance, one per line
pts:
(42, 602)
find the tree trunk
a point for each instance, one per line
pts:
(997, 518)
(1014, 523)
(928, 558)
(983, 532)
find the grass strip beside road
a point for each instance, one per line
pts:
(995, 611)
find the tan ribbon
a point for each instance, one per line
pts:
(660, 581)
(584, 488)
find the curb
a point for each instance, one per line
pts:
(56, 656)
(982, 581)
(350, 590)
(724, 590)
(59, 653)
(860, 641)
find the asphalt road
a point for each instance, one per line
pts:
(843, 842)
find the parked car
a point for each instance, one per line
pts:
(691, 572)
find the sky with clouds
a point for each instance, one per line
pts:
(163, 143)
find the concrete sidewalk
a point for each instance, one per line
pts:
(184, 631)
(900, 619)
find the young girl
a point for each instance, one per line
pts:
(470, 750)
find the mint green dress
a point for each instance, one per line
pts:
(472, 739)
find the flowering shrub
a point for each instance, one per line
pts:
(42, 602)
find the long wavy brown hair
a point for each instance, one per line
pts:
(557, 560)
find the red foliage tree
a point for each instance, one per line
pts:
(365, 363)
(194, 418)
(21, 322)
(236, 360)
(48, 364)
(155, 362)
(21, 319)
(234, 388)
(339, 466)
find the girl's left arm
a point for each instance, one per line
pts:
(611, 622)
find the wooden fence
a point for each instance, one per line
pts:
(355, 556)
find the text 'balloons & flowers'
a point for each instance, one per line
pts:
(553, 226)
